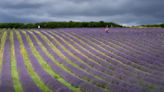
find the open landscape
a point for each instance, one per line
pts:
(81, 46)
(82, 60)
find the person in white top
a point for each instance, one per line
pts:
(38, 27)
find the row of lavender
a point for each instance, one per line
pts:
(37, 69)
(29, 73)
(79, 61)
(146, 59)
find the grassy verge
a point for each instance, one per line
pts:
(3, 40)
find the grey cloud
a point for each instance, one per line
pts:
(119, 11)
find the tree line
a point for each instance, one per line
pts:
(70, 24)
(154, 25)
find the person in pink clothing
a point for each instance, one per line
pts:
(106, 29)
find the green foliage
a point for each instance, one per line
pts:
(151, 25)
(162, 25)
(12, 25)
(70, 24)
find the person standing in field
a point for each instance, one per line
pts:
(107, 29)
(38, 26)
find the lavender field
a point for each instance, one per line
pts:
(82, 60)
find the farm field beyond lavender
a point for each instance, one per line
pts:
(82, 60)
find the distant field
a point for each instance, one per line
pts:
(82, 60)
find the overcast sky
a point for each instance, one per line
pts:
(128, 12)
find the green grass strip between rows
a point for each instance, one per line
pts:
(69, 52)
(35, 77)
(14, 73)
(50, 55)
(3, 40)
(46, 67)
